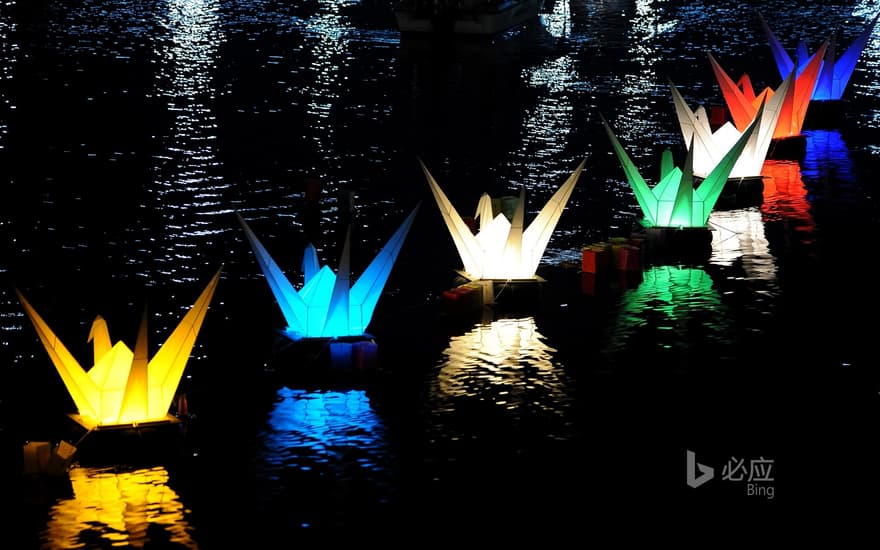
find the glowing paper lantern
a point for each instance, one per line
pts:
(674, 202)
(835, 72)
(125, 387)
(743, 103)
(327, 306)
(503, 249)
(710, 147)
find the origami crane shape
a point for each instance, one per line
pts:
(125, 387)
(743, 103)
(835, 72)
(502, 249)
(710, 147)
(327, 306)
(674, 202)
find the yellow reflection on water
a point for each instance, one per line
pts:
(118, 508)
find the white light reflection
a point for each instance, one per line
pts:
(118, 508)
(189, 188)
(546, 127)
(11, 315)
(558, 23)
(546, 130)
(641, 87)
(864, 83)
(738, 235)
(8, 53)
(327, 35)
(505, 362)
(862, 12)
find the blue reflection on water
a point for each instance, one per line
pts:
(324, 460)
(324, 423)
(827, 157)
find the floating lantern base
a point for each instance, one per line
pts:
(465, 299)
(825, 113)
(353, 355)
(506, 292)
(319, 342)
(741, 193)
(596, 284)
(344, 361)
(128, 442)
(677, 243)
(91, 425)
(790, 148)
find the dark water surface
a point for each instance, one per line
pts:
(132, 130)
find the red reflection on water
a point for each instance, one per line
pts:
(785, 197)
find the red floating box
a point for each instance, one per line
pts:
(462, 298)
(637, 242)
(363, 355)
(594, 259)
(628, 258)
(588, 283)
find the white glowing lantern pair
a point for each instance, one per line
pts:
(784, 111)
(503, 249)
(709, 147)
